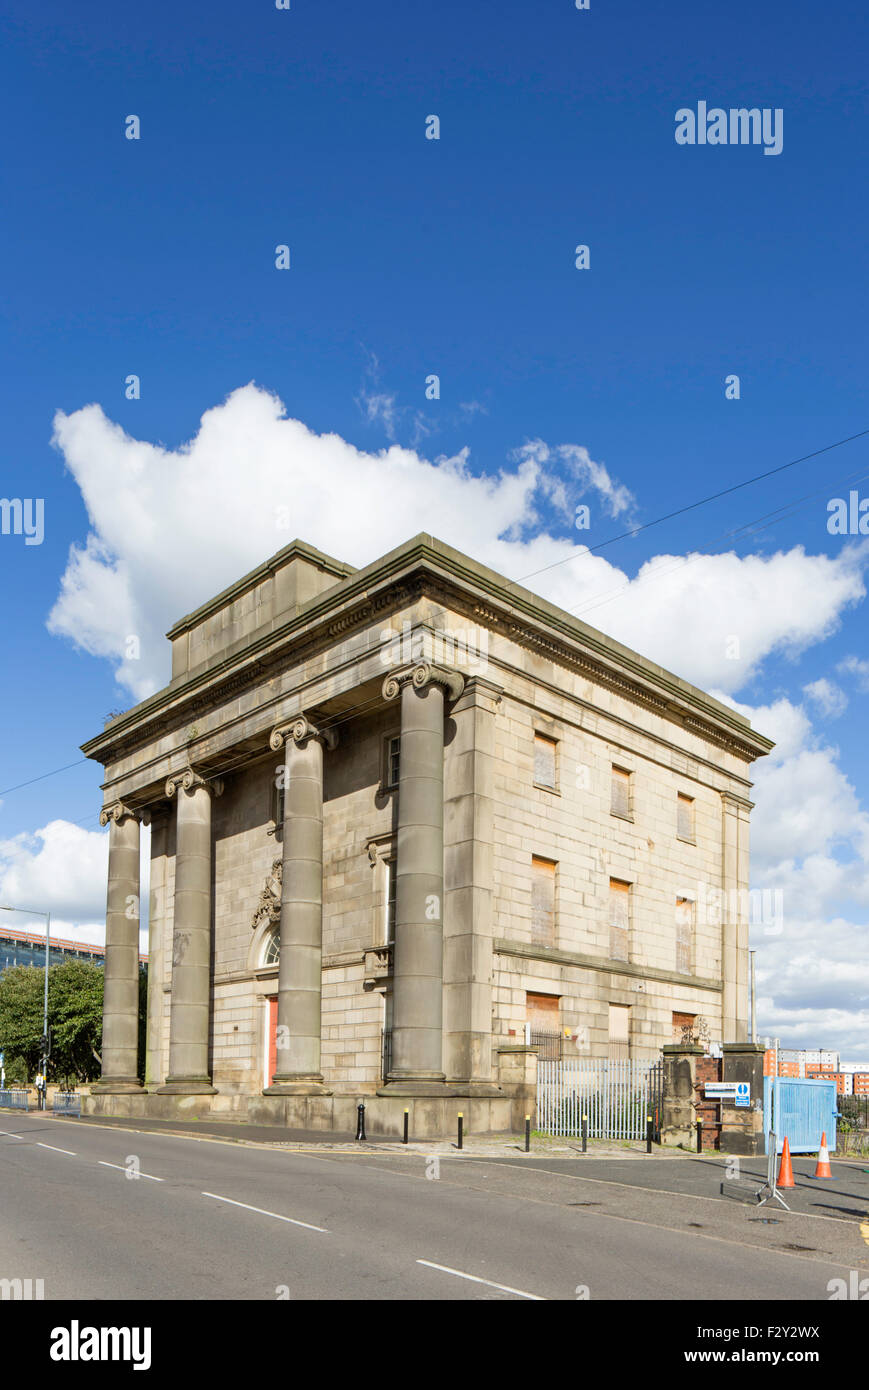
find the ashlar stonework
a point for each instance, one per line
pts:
(408, 825)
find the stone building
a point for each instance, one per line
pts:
(405, 821)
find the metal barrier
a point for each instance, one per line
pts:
(14, 1100)
(66, 1103)
(613, 1095)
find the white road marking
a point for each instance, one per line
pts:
(54, 1149)
(445, 1269)
(9, 1135)
(307, 1225)
(122, 1168)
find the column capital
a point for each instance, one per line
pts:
(301, 731)
(190, 780)
(423, 673)
(118, 812)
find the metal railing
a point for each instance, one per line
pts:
(66, 1103)
(548, 1041)
(616, 1095)
(14, 1099)
(385, 1053)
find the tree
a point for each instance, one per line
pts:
(21, 993)
(75, 1017)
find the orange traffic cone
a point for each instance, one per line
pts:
(823, 1169)
(785, 1171)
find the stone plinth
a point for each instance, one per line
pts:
(680, 1076)
(517, 1073)
(430, 1117)
(742, 1126)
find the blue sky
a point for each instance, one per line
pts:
(456, 257)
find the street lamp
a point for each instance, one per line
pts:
(33, 912)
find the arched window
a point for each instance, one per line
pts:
(272, 952)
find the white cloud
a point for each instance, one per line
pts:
(855, 666)
(830, 698)
(810, 840)
(61, 868)
(169, 528)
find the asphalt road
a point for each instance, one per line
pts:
(213, 1220)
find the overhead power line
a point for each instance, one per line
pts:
(692, 506)
(43, 776)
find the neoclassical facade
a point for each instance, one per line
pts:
(406, 823)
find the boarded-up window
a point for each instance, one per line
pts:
(685, 817)
(541, 1010)
(620, 797)
(543, 901)
(684, 935)
(544, 761)
(683, 1027)
(619, 916)
(620, 1030)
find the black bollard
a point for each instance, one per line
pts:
(584, 1133)
(360, 1120)
(461, 1124)
(648, 1134)
(527, 1134)
(700, 1136)
(404, 1140)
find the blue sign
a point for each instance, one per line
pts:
(743, 1094)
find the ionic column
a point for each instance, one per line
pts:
(190, 1011)
(300, 972)
(121, 985)
(418, 969)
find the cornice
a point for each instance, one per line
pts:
(426, 566)
(505, 947)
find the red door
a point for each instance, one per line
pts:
(273, 1038)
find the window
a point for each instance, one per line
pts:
(620, 799)
(272, 952)
(684, 935)
(619, 915)
(543, 901)
(391, 760)
(278, 798)
(390, 902)
(619, 1030)
(685, 817)
(544, 761)
(543, 1027)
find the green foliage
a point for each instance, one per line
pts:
(75, 1016)
(21, 990)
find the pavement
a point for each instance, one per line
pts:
(125, 1211)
